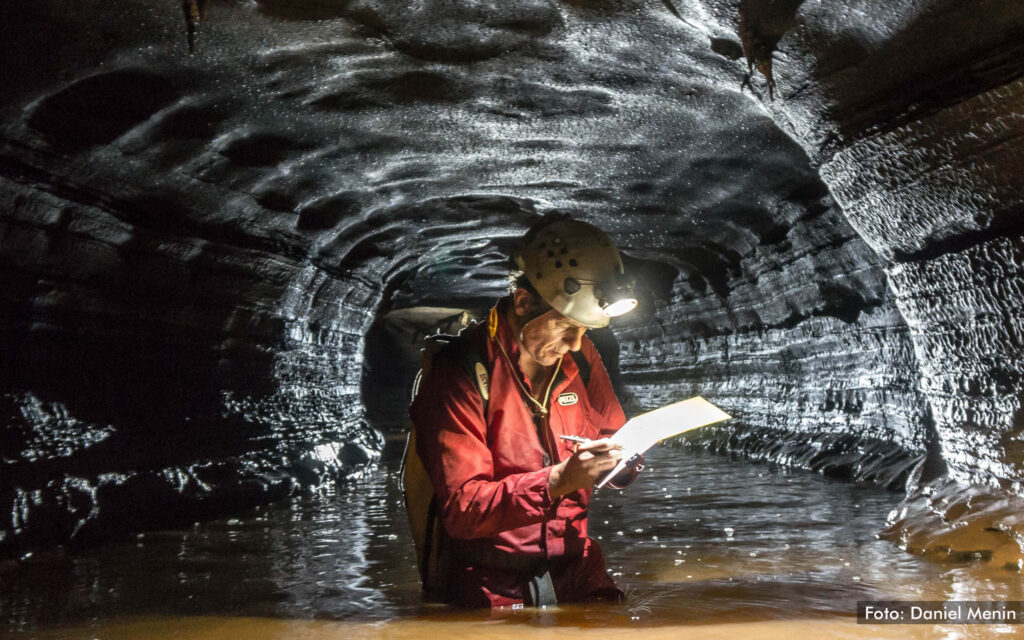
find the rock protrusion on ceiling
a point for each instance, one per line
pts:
(762, 23)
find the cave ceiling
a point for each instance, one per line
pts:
(409, 143)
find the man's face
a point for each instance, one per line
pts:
(550, 336)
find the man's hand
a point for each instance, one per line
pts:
(591, 461)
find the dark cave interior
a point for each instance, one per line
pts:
(216, 264)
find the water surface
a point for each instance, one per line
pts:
(705, 546)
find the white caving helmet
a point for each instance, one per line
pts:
(577, 270)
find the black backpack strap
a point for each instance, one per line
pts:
(469, 354)
(583, 365)
(474, 364)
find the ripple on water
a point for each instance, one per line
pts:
(708, 546)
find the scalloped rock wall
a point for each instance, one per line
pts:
(914, 111)
(928, 176)
(193, 248)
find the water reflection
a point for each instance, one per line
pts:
(701, 543)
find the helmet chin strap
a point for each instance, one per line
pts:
(526, 324)
(539, 408)
(522, 342)
(539, 309)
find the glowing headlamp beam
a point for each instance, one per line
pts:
(619, 307)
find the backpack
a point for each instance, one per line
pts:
(421, 504)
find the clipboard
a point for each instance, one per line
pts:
(648, 429)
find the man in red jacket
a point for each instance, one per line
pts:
(511, 493)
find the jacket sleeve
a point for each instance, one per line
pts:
(451, 440)
(608, 414)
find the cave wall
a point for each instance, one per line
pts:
(194, 247)
(804, 344)
(154, 376)
(914, 112)
(942, 203)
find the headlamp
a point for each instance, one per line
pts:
(619, 307)
(616, 298)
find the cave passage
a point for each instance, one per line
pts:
(224, 234)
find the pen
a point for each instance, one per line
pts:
(576, 439)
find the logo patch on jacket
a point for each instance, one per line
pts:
(481, 379)
(567, 399)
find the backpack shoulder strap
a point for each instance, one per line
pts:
(463, 348)
(473, 361)
(583, 365)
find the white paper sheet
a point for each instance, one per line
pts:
(646, 430)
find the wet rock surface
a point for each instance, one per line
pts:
(947, 521)
(195, 248)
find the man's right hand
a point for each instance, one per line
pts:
(590, 461)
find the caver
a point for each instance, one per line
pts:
(497, 500)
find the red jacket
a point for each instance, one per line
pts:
(490, 472)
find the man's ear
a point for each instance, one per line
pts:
(522, 302)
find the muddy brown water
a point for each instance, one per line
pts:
(705, 546)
